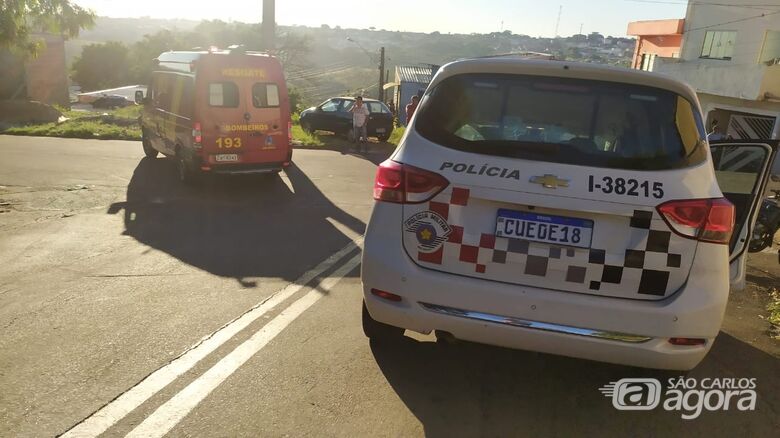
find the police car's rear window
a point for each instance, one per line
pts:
(592, 123)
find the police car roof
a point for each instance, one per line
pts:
(564, 69)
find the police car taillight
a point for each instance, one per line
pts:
(197, 134)
(404, 184)
(707, 220)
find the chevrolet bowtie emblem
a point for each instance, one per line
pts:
(550, 181)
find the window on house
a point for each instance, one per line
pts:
(770, 52)
(719, 44)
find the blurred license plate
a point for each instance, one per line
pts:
(557, 230)
(221, 158)
(380, 130)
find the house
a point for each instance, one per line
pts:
(731, 57)
(43, 78)
(655, 38)
(410, 80)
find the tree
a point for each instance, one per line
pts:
(143, 53)
(19, 19)
(102, 66)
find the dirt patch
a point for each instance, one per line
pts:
(747, 316)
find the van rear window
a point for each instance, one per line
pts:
(223, 94)
(265, 95)
(593, 123)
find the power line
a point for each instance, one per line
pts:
(732, 21)
(766, 6)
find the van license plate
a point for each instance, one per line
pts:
(556, 230)
(221, 158)
(380, 130)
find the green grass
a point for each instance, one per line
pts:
(305, 138)
(75, 128)
(120, 125)
(774, 313)
(395, 137)
(128, 112)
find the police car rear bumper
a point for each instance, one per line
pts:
(623, 331)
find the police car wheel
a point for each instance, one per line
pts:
(377, 331)
(306, 126)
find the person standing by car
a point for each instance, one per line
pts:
(411, 107)
(360, 115)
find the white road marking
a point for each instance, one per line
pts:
(118, 408)
(175, 409)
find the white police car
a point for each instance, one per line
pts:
(563, 208)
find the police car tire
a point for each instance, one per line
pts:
(306, 126)
(377, 331)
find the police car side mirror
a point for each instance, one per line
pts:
(139, 97)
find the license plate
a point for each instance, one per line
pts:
(557, 230)
(380, 130)
(221, 158)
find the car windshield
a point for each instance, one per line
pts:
(561, 120)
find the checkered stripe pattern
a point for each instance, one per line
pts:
(644, 270)
(652, 264)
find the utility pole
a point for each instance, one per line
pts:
(581, 24)
(268, 28)
(558, 22)
(381, 92)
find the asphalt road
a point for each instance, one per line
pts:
(130, 304)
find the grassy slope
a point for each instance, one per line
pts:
(82, 124)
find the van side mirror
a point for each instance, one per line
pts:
(139, 97)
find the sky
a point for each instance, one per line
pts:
(529, 17)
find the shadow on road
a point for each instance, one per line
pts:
(476, 390)
(244, 227)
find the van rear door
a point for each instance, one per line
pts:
(245, 110)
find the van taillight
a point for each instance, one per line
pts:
(197, 134)
(289, 132)
(707, 220)
(404, 184)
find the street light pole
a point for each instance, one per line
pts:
(381, 92)
(268, 28)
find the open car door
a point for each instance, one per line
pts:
(742, 168)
